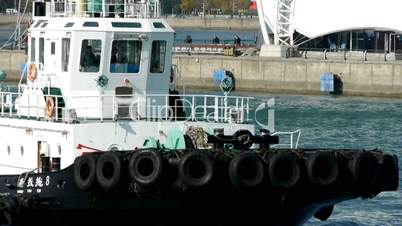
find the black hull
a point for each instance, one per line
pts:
(54, 199)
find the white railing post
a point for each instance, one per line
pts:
(101, 113)
(193, 108)
(216, 110)
(2, 104)
(205, 107)
(167, 108)
(56, 108)
(37, 107)
(10, 105)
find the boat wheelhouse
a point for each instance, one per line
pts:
(105, 82)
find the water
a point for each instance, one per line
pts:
(347, 122)
(326, 121)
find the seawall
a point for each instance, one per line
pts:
(191, 23)
(195, 23)
(257, 74)
(383, 79)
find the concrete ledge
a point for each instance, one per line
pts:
(383, 79)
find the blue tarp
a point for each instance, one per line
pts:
(327, 82)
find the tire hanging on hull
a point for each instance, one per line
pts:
(196, 169)
(146, 167)
(109, 170)
(246, 170)
(85, 172)
(284, 171)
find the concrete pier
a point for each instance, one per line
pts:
(191, 23)
(259, 74)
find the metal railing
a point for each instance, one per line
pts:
(111, 8)
(292, 144)
(207, 108)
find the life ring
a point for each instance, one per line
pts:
(32, 72)
(49, 109)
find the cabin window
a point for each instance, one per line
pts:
(52, 48)
(71, 24)
(159, 25)
(125, 56)
(42, 51)
(90, 55)
(158, 56)
(90, 24)
(65, 54)
(44, 25)
(33, 44)
(126, 25)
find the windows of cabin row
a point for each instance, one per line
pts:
(125, 55)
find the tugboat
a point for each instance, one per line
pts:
(97, 133)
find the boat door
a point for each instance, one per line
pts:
(52, 52)
(43, 155)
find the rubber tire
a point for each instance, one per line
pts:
(109, 182)
(242, 146)
(8, 208)
(363, 166)
(88, 161)
(185, 170)
(237, 164)
(157, 167)
(322, 162)
(282, 161)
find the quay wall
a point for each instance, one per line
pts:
(259, 74)
(190, 23)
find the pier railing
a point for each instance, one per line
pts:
(70, 109)
(110, 8)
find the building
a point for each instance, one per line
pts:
(358, 25)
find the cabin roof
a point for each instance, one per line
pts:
(101, 24)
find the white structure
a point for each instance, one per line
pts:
(281, 19)
(101, 79)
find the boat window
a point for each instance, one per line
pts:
(38, 23)
(33, 44)
(159, 25)
(42, 51)
(52, 48)
(158, 56)
(91, 24)
(69, 24)
(65, 54)
(44, 25)
(126, 25)
(90, 55)
(126, 56)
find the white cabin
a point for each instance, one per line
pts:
(100, 77)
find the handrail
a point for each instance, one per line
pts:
(225, 109)
(291, 145)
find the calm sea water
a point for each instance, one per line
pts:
(333, 122)
(347, 122)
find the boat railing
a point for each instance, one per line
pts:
(293, 137)
(206, 108)
(108, 8)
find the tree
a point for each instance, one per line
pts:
(188, 5)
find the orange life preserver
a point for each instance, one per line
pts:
(49, 109)
(32, 72)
